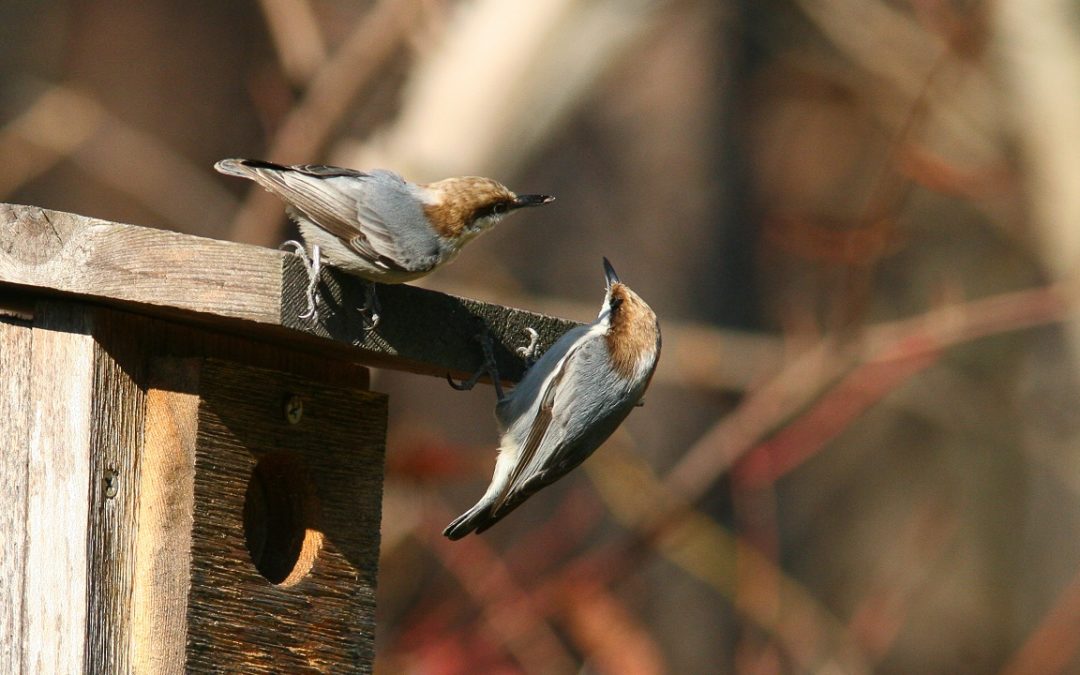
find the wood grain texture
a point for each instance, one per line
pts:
(237, 619)
(116, 430)
(59, 405)
(15, 345)
(138, 413)
(125, 548)
(162, 338)
(256, 292)
(165, 516)
(140, 555)
(86, 256)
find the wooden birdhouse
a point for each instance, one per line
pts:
(190, 474)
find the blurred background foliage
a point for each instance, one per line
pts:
(857, 219)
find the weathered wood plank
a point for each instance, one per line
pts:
(166, 512)
(116, 429)
(95, 258)
(254, 291)
(15, 345)
(59, 405)
(286, 524)
(160, 338)
(423, 331)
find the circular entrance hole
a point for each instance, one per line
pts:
(280, 519)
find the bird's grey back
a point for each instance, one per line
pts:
(388, 194)
(391, 216)
(376, 214)
(590, 402)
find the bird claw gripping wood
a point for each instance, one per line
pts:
(313, 266)
(489, 367)
(369, 311)
(569, 403)
(528, 352)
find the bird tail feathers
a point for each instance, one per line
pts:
(475, 517)
(245, 168)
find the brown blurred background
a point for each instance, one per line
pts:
(857, 219)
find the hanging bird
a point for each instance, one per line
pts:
(568, 403)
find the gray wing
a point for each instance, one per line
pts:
(522, 398)
(582, 404)
(375, 214)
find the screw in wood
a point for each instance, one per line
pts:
(112, 483)
(294, 409)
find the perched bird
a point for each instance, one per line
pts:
(377, 225)
(568, 403)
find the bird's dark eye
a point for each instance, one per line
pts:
(496, 209)
(616, 303)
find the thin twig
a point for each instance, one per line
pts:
(905, 565)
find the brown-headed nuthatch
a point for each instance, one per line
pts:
(377, 225)
(568, 403)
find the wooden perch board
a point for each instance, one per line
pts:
(254, 291)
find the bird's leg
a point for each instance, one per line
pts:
(528, 352)
(488, 367)
(313, 266)
(369, 311)
(313, 283)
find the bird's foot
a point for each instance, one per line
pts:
(369, 311)
(296, 248)
(313, 266)
(488, 367)
(528, 352)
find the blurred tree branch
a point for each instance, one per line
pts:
(1054, 643)
(814, 638)
(525, 67)
(297, 39)
(65, 124)
(807, 378)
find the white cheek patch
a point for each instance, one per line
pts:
(478, 226)
(430, 197)
(605, 310)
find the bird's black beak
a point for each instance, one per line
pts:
(609, 273)
(531, 200)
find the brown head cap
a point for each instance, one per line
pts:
(458, 203)
(633, 331)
